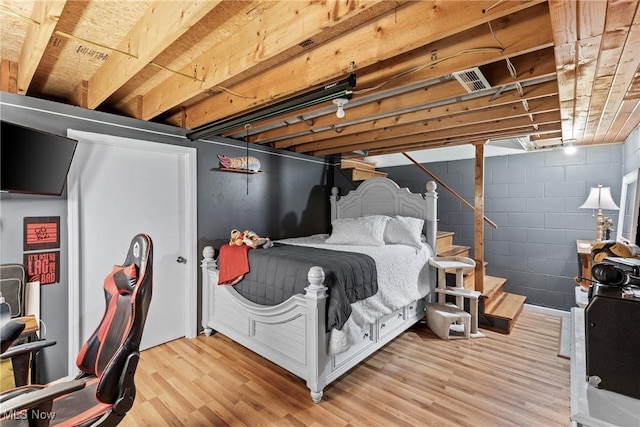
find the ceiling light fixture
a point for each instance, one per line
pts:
(569, 148)
(340, 103)
(340, 89)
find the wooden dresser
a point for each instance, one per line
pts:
(583, 248)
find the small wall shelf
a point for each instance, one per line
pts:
(245, 171)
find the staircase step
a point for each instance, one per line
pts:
(455, 250)
(444, 240)
(357, 163)
(507, 309)
(361, 175)
(492, 286)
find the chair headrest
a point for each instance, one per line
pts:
(138, 253)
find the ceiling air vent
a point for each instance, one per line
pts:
(472, 80)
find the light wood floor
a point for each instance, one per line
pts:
(417, 379)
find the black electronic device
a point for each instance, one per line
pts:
(631, 265)
(612, 340)
(613, 271)
(33, 161)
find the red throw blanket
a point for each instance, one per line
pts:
(233, 262)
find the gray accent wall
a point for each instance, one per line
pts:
(534, 199)
(290, 198)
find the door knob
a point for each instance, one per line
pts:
(181, 260)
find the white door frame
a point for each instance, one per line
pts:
(188, 165)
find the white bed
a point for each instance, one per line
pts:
(293, 334)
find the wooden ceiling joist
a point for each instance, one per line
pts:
(152, 34)
(366, 45)
(46, 15)
(437, 118)
(279, 30)
(9, 76)
(571, 66)
(361, 117)
(485, 129)
(534, 64)
(413, 145)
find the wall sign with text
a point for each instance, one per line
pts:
(41, 233)
(43, 267)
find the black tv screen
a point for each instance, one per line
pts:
(33, 161)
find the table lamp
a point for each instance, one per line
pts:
(599, 198)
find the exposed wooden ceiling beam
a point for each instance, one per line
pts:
(447, 92)
(276, 34)
(9, 76)
(384, 38)
(564, 21)
(526, 51)
(544, 129)
(445, 115)
(476, 118)
(46, 14)
(160, 26)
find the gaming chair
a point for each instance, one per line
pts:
(104, 390)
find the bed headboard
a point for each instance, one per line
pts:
(382, 196)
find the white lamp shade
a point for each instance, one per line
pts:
(600, 198)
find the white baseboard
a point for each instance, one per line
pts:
(546, 310)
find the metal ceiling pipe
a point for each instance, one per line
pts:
(340, 89)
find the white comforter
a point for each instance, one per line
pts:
(403, 277)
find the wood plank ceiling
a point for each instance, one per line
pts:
(558, 72)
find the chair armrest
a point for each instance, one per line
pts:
(37, 397)
(29, 347)
(13, 392)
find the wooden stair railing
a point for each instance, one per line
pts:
(449, 189)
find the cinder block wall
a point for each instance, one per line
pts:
(534, 199)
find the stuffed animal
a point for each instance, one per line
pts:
(249, 238)
(254, 241)
(237, 238)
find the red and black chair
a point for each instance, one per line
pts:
(104, 390)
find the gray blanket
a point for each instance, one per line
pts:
(279, 272)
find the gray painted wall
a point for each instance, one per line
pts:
(534, 200)
(289, 199)
(53, 313)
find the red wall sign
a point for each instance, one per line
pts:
(43, 267)
(41, 233)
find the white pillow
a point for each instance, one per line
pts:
(404, 230)
(362, 231)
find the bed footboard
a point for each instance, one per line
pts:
(291, 334)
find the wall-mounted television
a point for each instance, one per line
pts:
(32, 161)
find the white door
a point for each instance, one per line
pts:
(119, 187)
